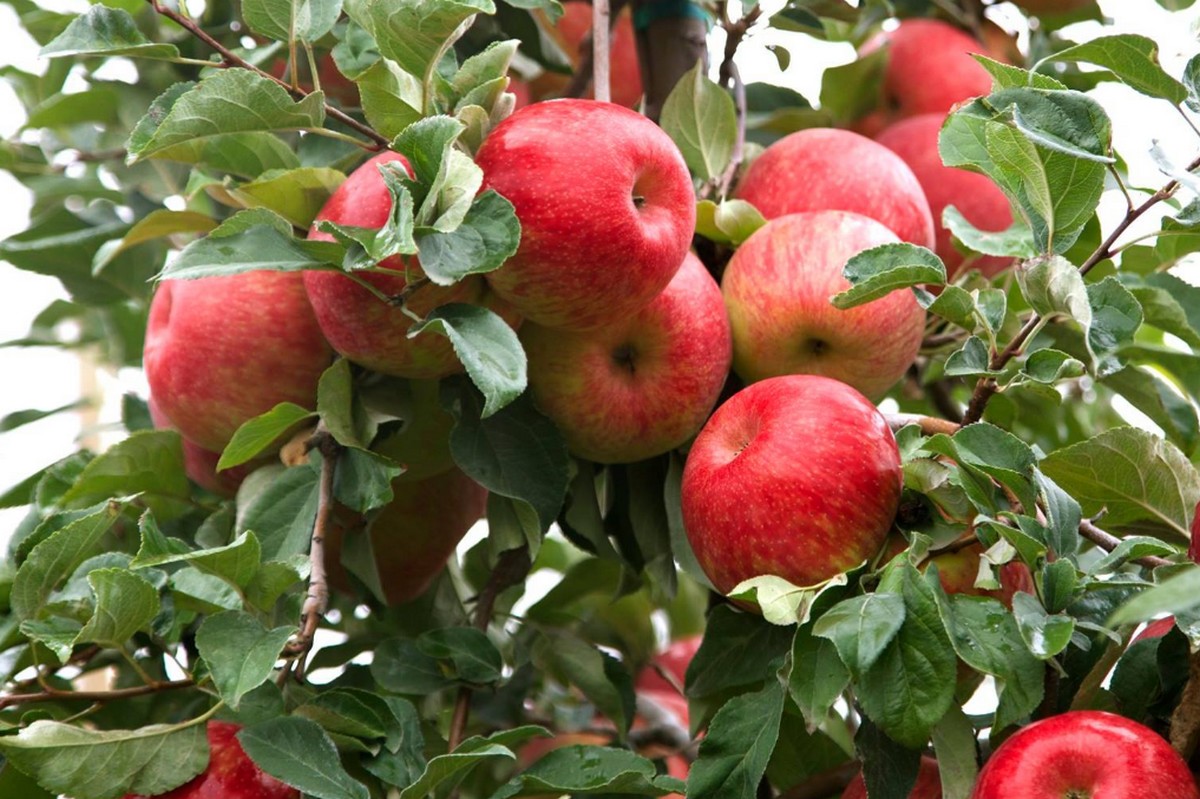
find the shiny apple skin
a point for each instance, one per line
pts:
(795, 476)
(643, 385)
(1085, 754)
(826, 169)
(603, 228)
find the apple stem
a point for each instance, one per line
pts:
(600, 52)
(986, 387)
(511, 568)
(231, 59)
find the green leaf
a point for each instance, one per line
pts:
(65, 110)
(415, 33)
(125, 604)
(366, 247)
(1191, 80)
(291, 20)
(582, 770)
(818, 676)
(954, 745)
(57, 557)
(108, 32)
(391, 98)
(910, 686)
(229, 101)
(342, 416)
(161, 223)
(881, 270)
(240, 652)
(446, 180)
(280, 506)
(250, 240)
(488, 236)
(852, 90)
(731, 222)
(1142, 484)
(77, 761)
(889, 769)
(516, 452)
(401, 667)
(1177, 594)
(1154, 396)
(1068, 122)
(1116, 317)
(297, 751)
(56, 633)
(364, 479)
(237, 562)
(861, 627)
(486, 346)
(738, 649)
(1046, 635)
(469, 654)
(603, 681)
(148, 463)
(1006, 76)
(255, 435)
(970, 360)
(700, 118)
(469, 754)
(295, 194)
(735, 752)
(1013, 242)
(1133, 59)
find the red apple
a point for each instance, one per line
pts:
(795, 476)
(825, 169)
(201, 464)
(603, 229)
(414, 534)
(358, 324)
(230, 774)
(777, 288)
(928, 786)
(929, 67)
(642, 385)
(674, 660)
(1085, 754)
(625, 77)
(222, 350)
(520, 90)
(1155, 629)
(979, 199)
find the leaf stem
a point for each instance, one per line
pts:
(231, 59)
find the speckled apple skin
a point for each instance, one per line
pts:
(615, 411)
(980, 200)
(589, 253)
(230, 774)
(928, 785)
(222, 350)
(414, 534)
(929, 68)
(827, 169)
(777, 288)
(358, 324)
(1085, 754)
(795, 476)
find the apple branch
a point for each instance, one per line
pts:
(731, 78)
(317, 600)
(987, 386)
(601, 29)
(511, 568)
(53, 695)
(1108, 542)
(231, 59)
(929, 425)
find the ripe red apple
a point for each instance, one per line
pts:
(642, 385)
(603, 229)
(979, 199)
(929, 68)
(520, 90)
(928, 786)
(625, 76)
(826, 169)
(777, 288)
(674, 660)
(222, 350)
(1085, 754)
(1155, 629)
(230, 774)
(414, 534)
(358, 324)
(201, 464)
(795, 476)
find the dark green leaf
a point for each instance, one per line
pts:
(861, 627)
(740, 739)
(109, 32)
(487, 237)
(297, 751)
(240, 652)
(881, 270)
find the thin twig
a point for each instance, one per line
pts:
(986, 387)
(231, 59)
(929, 425)
(53, 695)
(1108, 542)
(731, 78)
(511, 568)
(317, 600)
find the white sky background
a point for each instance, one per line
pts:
(46, 378)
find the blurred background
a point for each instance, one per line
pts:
(44, 379)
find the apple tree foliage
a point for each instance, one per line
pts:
(184, 606)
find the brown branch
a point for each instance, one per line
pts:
(824, 784)
(1108, 542)
(51, 695)
(601, 29)
(986, 387)
(317, 600)
(929, 425)
(511, 568)
(731, 78)
(231, 59)
(1185, 720)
